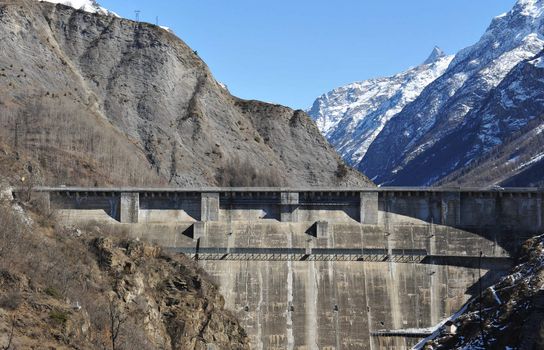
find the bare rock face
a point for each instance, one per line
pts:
(177, 304)
(138, 106)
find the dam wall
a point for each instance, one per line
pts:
(327, 268)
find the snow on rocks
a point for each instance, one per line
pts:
(84, 5)
(511, 309)
(352, 116)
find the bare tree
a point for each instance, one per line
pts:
(116, 321)
(176, 330)
(10, 338)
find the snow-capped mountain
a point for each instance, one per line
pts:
(86, 5)
(464, 112)
(433, 129)
(352, 116)
(496, 142)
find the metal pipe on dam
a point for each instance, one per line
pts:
(327, 268)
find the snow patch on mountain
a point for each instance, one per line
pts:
(85, 5)
(352, 116)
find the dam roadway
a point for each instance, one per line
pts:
(326, 268)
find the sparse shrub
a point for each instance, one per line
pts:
(341, 171)
(53, 292)
(59, 316)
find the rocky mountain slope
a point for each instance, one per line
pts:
(131, 104)
(467, 123)
(512, 315)
(515, 163)
(512, 118)
(352, 116)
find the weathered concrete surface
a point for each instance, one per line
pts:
(130, 207)
(365, 294)
(333, 304)
(314, 304)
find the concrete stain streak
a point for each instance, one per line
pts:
(332, 277)
(259, 344)
(335, 301)
(311, 307)
(434, 284)
(394, 302)
(289, 317)
(367, 303)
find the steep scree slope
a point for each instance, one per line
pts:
(132, 100)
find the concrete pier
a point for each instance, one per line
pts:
(129, 207)
(369, 208)
(289, 206)
(210, 207)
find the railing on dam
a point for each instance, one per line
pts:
(419, 256)
(302, 254)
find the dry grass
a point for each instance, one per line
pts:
(72, 146)
(238, 173)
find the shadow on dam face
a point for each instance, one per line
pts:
(507, 218)
(474, 262)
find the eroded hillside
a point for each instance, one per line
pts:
(135, 105)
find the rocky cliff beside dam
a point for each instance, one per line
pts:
(67, 288)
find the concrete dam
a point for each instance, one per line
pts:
(327, 268)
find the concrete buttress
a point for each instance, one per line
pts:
(130, 206)
(210, 207)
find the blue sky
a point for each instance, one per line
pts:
(290, 52)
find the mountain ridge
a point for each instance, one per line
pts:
(352, 116)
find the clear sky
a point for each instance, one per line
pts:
(292, 51)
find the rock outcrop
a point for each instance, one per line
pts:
(66, 289)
